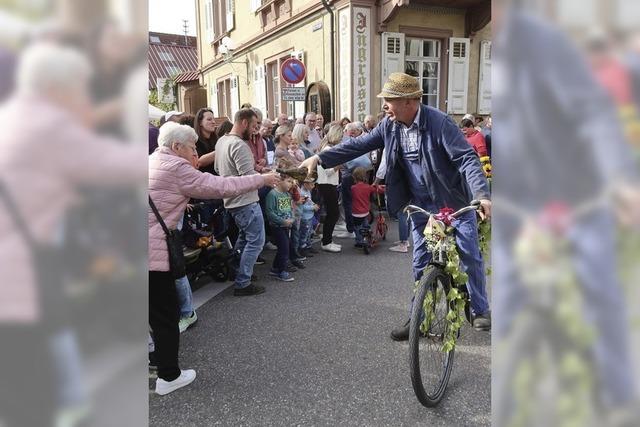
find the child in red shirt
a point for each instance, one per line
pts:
(361, 195)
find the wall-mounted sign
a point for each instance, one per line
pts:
(361, 62)
(292, 93)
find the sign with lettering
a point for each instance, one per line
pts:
(361, 63)
(292, 93)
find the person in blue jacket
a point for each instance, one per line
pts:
(429, 164)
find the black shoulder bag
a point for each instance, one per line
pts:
(174, 245)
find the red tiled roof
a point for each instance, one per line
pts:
(187, 76)
(169, 56)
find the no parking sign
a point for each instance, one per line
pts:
(292, 71)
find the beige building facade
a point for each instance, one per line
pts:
(446, 44)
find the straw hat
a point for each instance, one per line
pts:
(401, 85)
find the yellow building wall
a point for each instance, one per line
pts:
(454, 22)
(317, 58)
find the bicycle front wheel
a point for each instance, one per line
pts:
(430, 366)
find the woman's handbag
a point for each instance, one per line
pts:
(174, 245)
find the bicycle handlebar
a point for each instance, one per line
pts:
(412, 209)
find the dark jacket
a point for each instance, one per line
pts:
(451, 168)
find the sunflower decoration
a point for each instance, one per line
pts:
(485, 161)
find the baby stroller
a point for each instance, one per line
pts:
(380, 228)
(207, 249)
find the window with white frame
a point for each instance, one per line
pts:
(224, 98)
(422, 60)
(166, 56)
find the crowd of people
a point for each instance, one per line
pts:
(246, 167)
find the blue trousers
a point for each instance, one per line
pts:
(250, 240)
(281, 236)
(466, 233)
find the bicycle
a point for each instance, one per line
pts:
(441, 295)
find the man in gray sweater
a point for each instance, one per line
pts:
(234, 158)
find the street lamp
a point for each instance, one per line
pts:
(227, 46)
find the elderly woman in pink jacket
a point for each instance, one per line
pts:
(173, 180)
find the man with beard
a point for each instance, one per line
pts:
(234, 158)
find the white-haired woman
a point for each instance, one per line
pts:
(173, 180)
(328, 187)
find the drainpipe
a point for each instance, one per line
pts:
(333, 60)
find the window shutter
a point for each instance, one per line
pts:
(208, 20)
(484, 80)
(458, 75)
(392, 54)
(255, 5)
(213, 98)
(230, 12)
(235, 97)
(260, 98)
(299, 107)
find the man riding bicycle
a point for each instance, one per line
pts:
(431, 165)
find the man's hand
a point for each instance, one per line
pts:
(628, 205)
(485, 209)
(311, 163)
(271, 179)
(288, 222)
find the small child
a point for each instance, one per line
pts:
(361, 195)
(296, 151)
(306, 222)
(294, 256)
(279, 213)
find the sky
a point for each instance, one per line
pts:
(165, 16)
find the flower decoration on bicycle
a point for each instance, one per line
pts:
(441, 297)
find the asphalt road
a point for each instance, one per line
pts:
(317, 352)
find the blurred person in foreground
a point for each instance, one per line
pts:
(42, 169)
(429, 164)
(578, 155)
(173, 180)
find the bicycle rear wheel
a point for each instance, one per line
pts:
(430, 367)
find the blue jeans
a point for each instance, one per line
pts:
(250, 240)
(281, 237)
(470, 258)
(294, 239)
(347, 201)
(185, 296)
(306, 226)
(360, 225)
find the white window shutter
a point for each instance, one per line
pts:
(230, 12)
(392, 54)
(458, 75)
(484, 79)
(213, 92)
(299, 106)
(260, 98)
(255, 5)
(235, 96)
(208, 20)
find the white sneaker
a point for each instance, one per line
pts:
(165, 387)
(270, 246)
(343, 234)
(397, 242)
(185, 322)
(340, 226)
(400, 247)
(331, 247)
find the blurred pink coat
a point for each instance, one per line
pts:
(172, 182)
(45, 154)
